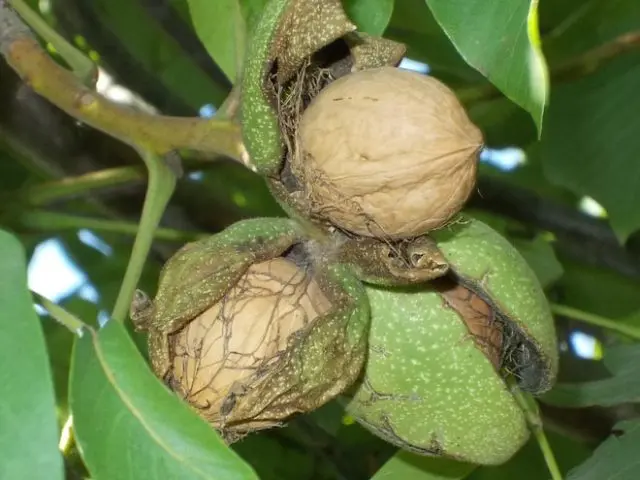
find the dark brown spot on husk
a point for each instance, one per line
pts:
(503, 341)
(479, 318)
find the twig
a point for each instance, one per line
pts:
(160, 134)
(597, 320)
(163, 175)
(585, 239)
(532, 416)
(44, 193)
(584, 64)
(84, 68)
(44, 220)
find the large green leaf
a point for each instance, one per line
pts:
(28, 430)
(500, 39)
(623, 386)
(130, 427)
(616, 458)
(371, 16)
(221, 29)
(412, 23)
(409, 466)
(591, 144)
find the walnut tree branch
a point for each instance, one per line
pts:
(580, 237)
(62, 88)
(584, 64)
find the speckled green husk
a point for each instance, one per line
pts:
(427, 387)
(288, 31)
(488, 264)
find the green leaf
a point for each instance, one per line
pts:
(623, 386)
(371, 16)
(616, 458)
(129, 426)
(412, 23)
(591, 143)
(409, 466)
(221, 29)
(500, 39)
(28, 432)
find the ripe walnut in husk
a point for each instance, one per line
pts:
(290, 61)
(387, 153)
(250, 330)
(240, 340)
(441, 354)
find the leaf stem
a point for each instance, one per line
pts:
(82, 66)
(45, 220)
(530, 409)
(157, 133)
(67, 187)
(162, 182)
(61, 315)
(596, 320)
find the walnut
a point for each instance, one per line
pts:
(386, 153)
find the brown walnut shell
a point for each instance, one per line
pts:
(387, 153)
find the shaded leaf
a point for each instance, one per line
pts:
(598, 291)
(588, 25)
(500, 39)
(371, 16)
(409, 466)
(623, 386)
(616, 458)
(28, 432)
(130, 427)
(273, 460)
(591, 143)
(59, 342)
(503, 123)
(221, 29)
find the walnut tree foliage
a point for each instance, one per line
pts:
(555, 80)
